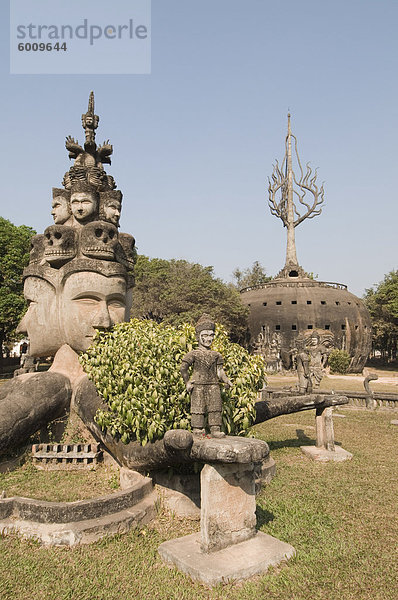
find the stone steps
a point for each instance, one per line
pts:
(82, 522)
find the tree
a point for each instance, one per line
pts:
(177, 292)
(382, 303)
(14, 256)
(250, 277)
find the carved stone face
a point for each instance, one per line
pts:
(98, 240)
(91, 301)
(83, 205)
(206, 338)
(40, 322)
(125, 250)
(59, 244)
(60, 210)
(36, 248)
(112, 209)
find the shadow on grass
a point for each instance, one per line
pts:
(302, 439)
(263, 516)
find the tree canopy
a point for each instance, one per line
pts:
(251, 276)
(14, 256)
(382, 303)
(177, 292)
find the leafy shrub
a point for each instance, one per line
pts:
(136, 369)
(339, 361)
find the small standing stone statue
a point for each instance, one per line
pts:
(204, 383)
(303, 368)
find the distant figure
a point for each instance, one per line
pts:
(29, 364)
(204, 384)
(303, 368)
(23, 349)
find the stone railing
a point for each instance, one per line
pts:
(295, 283)
(357, 399)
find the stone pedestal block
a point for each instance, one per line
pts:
(237, 562)
(323, 455)
(228, 505)
(228, 546)
(325, 449)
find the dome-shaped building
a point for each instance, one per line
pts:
(293, 305)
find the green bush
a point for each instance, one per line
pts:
(339, 361)
(136, 369)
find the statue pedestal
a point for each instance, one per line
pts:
(325, 449)
(228, 546)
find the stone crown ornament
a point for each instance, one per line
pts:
(86, 211)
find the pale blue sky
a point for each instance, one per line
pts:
(195, 141)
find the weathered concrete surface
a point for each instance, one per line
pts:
(230, 449)
(82, 522)
(323, 455)
(86, 531)
(264, 472)
(280, 402)
(180, 493)
(28, 403)
(129, 478)
(228, 505)
(237, 562)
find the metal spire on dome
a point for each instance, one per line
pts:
(282, 189)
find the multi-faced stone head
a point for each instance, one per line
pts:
(60, 206)
(67, 305)
(79, 276)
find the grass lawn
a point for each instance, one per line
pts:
(341, 518)
(59, 486)
(387, 382)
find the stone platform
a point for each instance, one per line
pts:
(324, 455)
(228, 547)
(234, 563)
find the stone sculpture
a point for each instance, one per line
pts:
(203, 385)
(79, 279)
(303, 368)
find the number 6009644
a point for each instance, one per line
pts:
(41, 47)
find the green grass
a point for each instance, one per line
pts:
(59, 486)
(351, 383)
(341, 518)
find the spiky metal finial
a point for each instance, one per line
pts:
(284, 187)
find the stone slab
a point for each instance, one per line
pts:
(394, 422)
(237, 562)
(323, 455)
(230, 449)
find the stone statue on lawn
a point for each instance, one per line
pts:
(204, 383)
